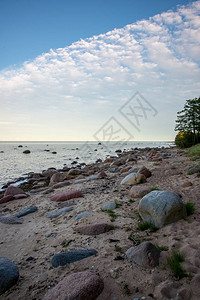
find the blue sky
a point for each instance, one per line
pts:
(67, 67)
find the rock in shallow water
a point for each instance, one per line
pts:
(77, 286)
(26, 211)
(9, 274)
(58, 212)
(161, 208)
(64, 258)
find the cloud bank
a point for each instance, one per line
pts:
(68, 93)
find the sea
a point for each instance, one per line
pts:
(15, 164)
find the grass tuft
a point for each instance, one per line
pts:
(111, 214)
(118, 204)
(125, 289)
(162, 248)
(154, 188)
(194, 152)
(190, 208)
(147, 225)
(174, 261)
(119, 249)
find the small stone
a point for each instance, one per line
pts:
(64, 258)
(77, 286)
(26, 151)
(82, 215)
(143, 170)
(58, 212)
(138, 191)
(93, 229)
(108, 206)
(9, 274)
(26, 211)
(9, 219)
(133, 178)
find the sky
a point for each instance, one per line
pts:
(96, 70)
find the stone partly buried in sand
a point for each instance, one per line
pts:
(66, 195)
(161, 208)
(9, 219)
(93, 229)
(58, 212)
(64, 258)
(9, 274)
(77, 286)
(145, 255)
(133, 178)
(26, 211)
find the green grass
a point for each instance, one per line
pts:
(65, 244)
(190, 208)
(174, 261)
(194, 151)
(162, 248)
(147, 225)
(131, 201)
(119, 249)
(118, 204)
(111, 214)
(125, 289)
(154, 188)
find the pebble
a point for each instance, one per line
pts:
(108, 206)
(64, 258)
(58, 212)
(26, 211)
(82, 215)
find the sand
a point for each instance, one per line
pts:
(32, 244)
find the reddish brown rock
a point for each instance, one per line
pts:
(139, 191)
(125, 169)
(74, 172)
(60, 184)
(14, 190)
(143, 170)
(20, 196)
(6, 199)
(57, 177)
(66, 195)
(93, 229)
(109, 159)
(102, 175)
(186, 184)
(77, 286)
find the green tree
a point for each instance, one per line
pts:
(188, 122)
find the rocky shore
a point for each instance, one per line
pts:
(103, 231)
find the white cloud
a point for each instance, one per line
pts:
(158, 57)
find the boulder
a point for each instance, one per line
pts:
(9, 274)
(66, 195)
(14, 191)
(145, 255)
(26, 211)
(133, 178)
(82, 215)
(6, 199)
(93, 229)
(26, 151)
(161, 208)
(74, 172)
(77, 286)
(9, 219)
(64, 258)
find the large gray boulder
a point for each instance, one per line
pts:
(133, 179)
(161, 208)
(9, 274)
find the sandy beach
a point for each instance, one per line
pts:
(32, 244)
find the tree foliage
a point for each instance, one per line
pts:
(188, 124)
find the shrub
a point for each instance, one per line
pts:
(184, 139)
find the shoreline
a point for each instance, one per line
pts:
(40, 237)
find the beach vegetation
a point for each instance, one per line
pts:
(146, 226)
(119, 249)
(190, 208)
(188, 124)
(162, 248)
(125, 289)
(174, 263)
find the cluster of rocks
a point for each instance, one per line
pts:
(158, 208)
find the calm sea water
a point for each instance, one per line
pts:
(14, 163)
